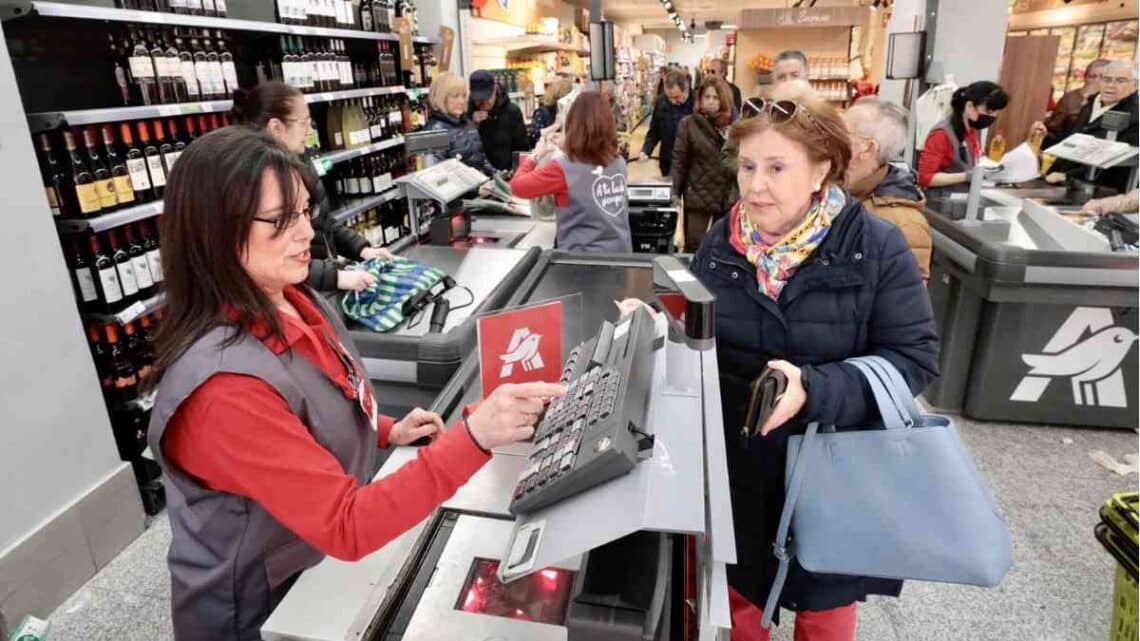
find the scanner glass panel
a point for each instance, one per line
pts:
(542, 597)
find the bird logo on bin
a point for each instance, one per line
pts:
(1087, 349)
(522, 348)
(519, 345)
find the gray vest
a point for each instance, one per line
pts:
(597, 217)
(960, 162)
(230, 561)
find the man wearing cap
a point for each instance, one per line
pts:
(501, 125)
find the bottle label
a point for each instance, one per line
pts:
(205, 78)
(127, 278)
(53, 200)
(396, 119)
(142, 272)
(137, 169)
(86, 283)
(338, 138)
(220, 7)
(217, 78)
(357, 138)
(171, 67)
(110, 282)
(178, 4)
(154, 262)
(229, 74)
(365, 185)
(346, 73)
(157, 173)
(190, 77)
(353, 186)
(88, 198)
(141, 67)
(195, 5)
(377, 132)
(124, 192)
(171, 158)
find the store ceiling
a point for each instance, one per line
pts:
(651, 15)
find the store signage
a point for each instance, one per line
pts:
(805, 17)
(446, 44)
(520, 346)
(404, 31)
(1087, 352)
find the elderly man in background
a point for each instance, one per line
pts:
(1068, 109)
(878, 131)
(790, 65)
(719, 68)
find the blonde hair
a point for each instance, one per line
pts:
(444, 86)
(557, 89)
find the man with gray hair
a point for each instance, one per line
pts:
(789, 65)
(878, 131)
(1068, 108)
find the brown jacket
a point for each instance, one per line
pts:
(698, 173)
(893, 195)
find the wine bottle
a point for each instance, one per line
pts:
(120, 175)
(136, 165)
(82, 277)
(162, 70)
(104, 181)
(55, 181)
(176, 138)
(154, 165)
(214, 62)
(202, 68)
(333, 126)
(365, 177)
(102, 357)
(229, 69)
(106, 279)
(221, 9)
(125, 269)
(186, 69)
(165, 147)
(143, 72)
(124, 378)
(365, 12)
(208, 8)
(120, 62)
(138, 351)
(180, 6)
(82, 179)
(153, 253)
(139, 264)
(174, 78)
(203, 125)
(348, 80)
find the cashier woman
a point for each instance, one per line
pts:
(264, 423)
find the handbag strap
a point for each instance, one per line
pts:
(894, 380)
(780, 547)
(893, 417)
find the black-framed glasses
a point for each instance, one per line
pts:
(307, 212)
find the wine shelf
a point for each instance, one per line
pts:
(109, 221)
(47, 120)
(364, 204)
(136, 310)
(324, 162)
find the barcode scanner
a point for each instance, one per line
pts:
(767, 390)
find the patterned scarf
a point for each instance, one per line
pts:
(381, 306)
(776, 263)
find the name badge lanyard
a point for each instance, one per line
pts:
(362, 390)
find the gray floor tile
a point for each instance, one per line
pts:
(141, 568)
(93, 614)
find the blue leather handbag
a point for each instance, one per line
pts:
(898, 501)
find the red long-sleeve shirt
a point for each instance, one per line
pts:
(236, 434)
(531, 181)
(938, 154)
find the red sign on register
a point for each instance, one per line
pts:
(520, 346)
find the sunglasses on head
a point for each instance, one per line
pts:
(779, 111)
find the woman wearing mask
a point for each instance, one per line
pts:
(804, 278)
(952, 147)
(699, 176)
(448, 98)
(280, 110)
(587, 180)
(264, 421)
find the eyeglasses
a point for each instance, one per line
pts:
(1118, 80)
(307, 212)
(779, 111)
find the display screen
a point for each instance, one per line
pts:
(541, 597)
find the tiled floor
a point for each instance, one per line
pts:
(1058, 590)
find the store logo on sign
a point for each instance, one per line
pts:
(1088, 349)
(522, 348)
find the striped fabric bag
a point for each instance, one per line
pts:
(381, 306)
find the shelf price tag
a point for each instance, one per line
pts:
(131, 313)
(169, 110)
(322, 165)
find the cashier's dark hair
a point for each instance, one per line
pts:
(268, 100)
(591, 136)
(211, 198)
(983, 94)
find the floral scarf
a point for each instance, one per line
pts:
(776, 263)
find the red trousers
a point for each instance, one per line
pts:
(837, 624)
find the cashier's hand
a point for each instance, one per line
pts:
(368, 253)
(1055, 178)
(510, 413)
(416, 425)
(354, 280)
(791, 402)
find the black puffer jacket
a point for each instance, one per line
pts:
(663, 129)
(331, 239)
(463, 139)
(859, 293)
(503, 132)
(698, 174)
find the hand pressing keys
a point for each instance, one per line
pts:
(510, 413)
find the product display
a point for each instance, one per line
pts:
(156, 66)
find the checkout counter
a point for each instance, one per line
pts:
(641, 556)
(1036, 313)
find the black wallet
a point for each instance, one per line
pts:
(766, 392)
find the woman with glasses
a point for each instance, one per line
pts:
(264, 422)
(804, 278)
(280, 110)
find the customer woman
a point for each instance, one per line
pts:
(265, 424)
(699, 176)
(804, 278)
(448, 98)
(546, 114)
(587, 180)
(280, 110)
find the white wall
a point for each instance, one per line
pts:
(442, 13)
(55, 437)
(969, 40)
(690, 53)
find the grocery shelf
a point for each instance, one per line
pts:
(364, 204)
(324, 162)
(136, 310)
(351, 94)
(109, 221)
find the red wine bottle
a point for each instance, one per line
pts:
(139, 264)
(154, 164)
(106, 279)
(55, 180)
(124, 378)
(136, 165)
(153, 255)
(125, 269)
(138, 352)
(82, 179)
(102, 357)
(82, 277)
(124, 188)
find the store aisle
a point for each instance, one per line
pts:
(642, 172)
(1050, 490)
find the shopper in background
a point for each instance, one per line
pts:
(699, 177)
(265, 423)
(719, 68)
(804, 278)
(587, 180)
(1068, 109)
(952, 148)
(878, 131)
(280, 110)
(790, 65)
(546, 114)
(1117, 93)
(500, 121)
(670, 108)
(448, 98)
(659, 88)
